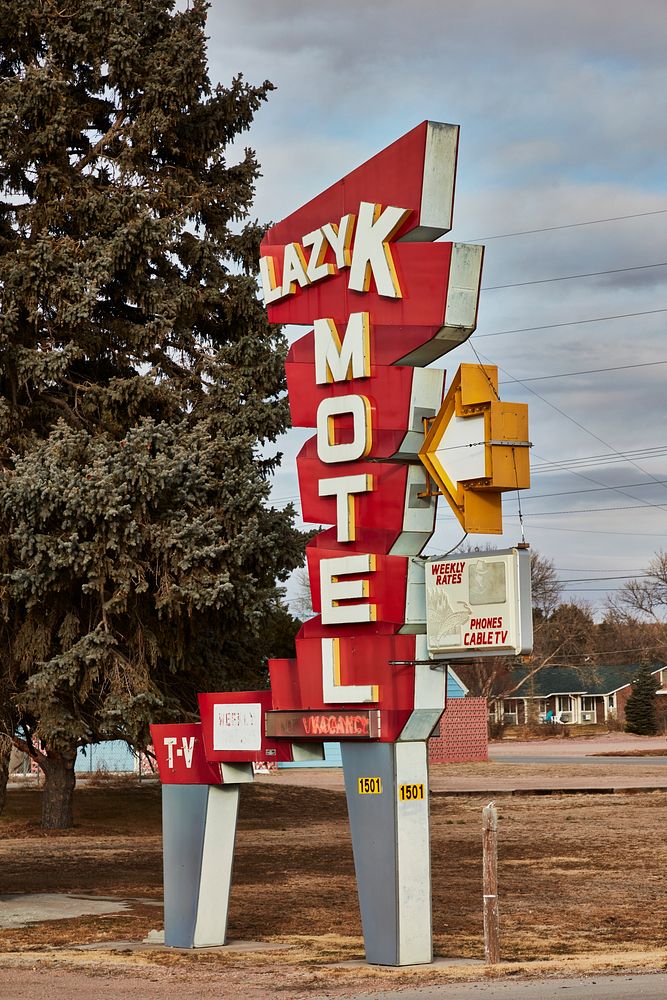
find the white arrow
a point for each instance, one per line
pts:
(460, 452)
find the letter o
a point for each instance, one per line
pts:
(362, 439)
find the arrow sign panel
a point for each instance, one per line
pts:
(476, 448)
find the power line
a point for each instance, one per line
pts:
(599, 464)
(597, 489)
(569, 225)
(564, 569)
(588, 371)
(599, 461)
(583, 657)
(571, 277)
(597, 437)
(595, 510)
(541, 496)
(576, 422)
(592, 434)
(575, 322)
(598, 531)
(591, 590)
(629, 649)
(599, 579)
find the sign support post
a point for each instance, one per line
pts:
(200, 804)
(198, 833)
(386, 785)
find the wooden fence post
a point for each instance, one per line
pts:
(490, 882)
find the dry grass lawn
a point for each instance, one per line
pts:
(583, 884)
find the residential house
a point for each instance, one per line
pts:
(573, 696)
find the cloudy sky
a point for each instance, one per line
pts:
(562, 107)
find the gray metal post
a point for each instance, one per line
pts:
(198, 833)
(391, 844)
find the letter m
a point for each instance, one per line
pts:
(338, 360)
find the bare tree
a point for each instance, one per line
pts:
(545, 585)
(622, 637)
(568, 634)
(646, 597)
(302, 602)
(638, 612)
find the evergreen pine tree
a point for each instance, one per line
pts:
(139, 379)
(640, 709)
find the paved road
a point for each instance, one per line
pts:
(528, 758)
(578, 746)
(628, 987)
(557, 765)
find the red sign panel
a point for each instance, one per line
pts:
(233, 727)
(357, 264)
(399, 325)
(374, 666)
(398, 175)
(181, 760)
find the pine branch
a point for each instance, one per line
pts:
(27, 746)
(75, 417)
(101, 143)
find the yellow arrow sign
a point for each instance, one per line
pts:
(476, 448)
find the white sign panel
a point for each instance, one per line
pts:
(479, 604)
(237, 726)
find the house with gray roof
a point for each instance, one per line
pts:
(569, 695)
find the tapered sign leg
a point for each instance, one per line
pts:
(198, 832)
(386, 785)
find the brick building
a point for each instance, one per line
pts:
(463, 733)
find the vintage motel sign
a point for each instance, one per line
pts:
(477, 448)
(479, 604)
(358, 266)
